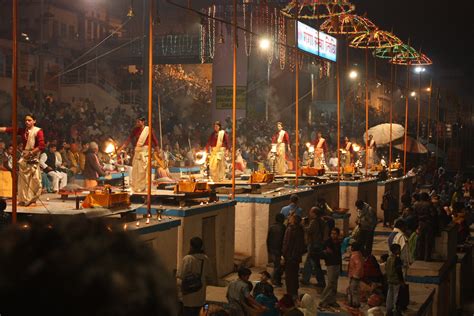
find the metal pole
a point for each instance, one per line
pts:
(150, 102)
(437, 130)
(366, 110)
(268, 91)
(159, 122)
(14, 107)
(297, 93)
(406, 122)
(234, 96)
(393, 78)
(297, 96)
(419, 103)
(338, 88)
(429, 112)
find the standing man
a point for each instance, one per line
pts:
(314, 240)
(320, 151)
(282, 141)
(371, 151)
(29, 176)
(139, 139)
(217, 143)
(275, 236)
(293, 249)
(367, 220)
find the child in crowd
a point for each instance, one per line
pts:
(356, 272)
(394, 272)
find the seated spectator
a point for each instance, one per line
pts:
(52, 166)
(92, 170)
(260, 286)
(74, 158)
(238, 294)
(268, 300)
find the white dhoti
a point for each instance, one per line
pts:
(29, 182)
(371, 157)
(319, 158)
(280, 159)
(217, 164)
(139, 169)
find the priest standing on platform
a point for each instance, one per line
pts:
(320, 151)
(218, 143)
(139, 139)
(371, 155)
(29, 176)
(281, 140)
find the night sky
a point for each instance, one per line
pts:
(442, 29)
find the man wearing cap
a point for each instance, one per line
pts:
(280, 140)
(29, 177)
(139, 138)
(217, 143)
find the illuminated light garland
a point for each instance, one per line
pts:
(349, 24)
(247, 41)
(375, 39)
(281, 40)
(407, 58)
(317, 9)
(211, 24)
(275, 33)
(203, 44)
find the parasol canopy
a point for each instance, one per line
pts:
(381, 133)
(350, 24)
(432, 148)
(317, 9)
(413, 146)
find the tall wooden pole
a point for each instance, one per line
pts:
(297, 93)
(429, 111)
(297, 96)
(406, 122)
(366, 110)
(437, 128)
(150, 102)
(338, 87)
(14, 107)
(393, 76)
(419, 106)
(234, 96)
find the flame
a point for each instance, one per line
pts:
(308, 144)
(355, 147)
(200, 157)
(109, 148)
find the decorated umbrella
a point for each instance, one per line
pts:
(412, 146)
(390, 53)
(346, 24)
(409, 58)
(384, 133)
(372, 40)
(317, 9)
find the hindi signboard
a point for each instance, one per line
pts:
(224, 97)
(316, 42)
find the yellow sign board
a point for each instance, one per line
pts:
(224, 97)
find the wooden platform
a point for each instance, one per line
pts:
(53, 204)
(160, 196)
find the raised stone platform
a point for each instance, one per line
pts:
(351, 191)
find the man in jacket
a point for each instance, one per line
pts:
(293, 249)
(367, 220)
(275, 236)
(314, 239)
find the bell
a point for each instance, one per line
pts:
(130, 13)
(221, 39)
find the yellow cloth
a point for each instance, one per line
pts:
(139, 169)
(5, 184)
(280, 159)
(217, 164)
(29, 181)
